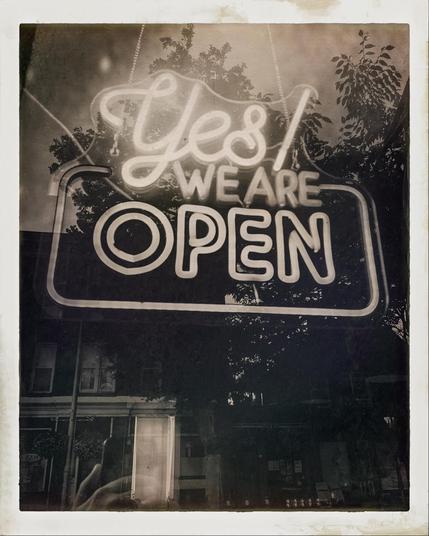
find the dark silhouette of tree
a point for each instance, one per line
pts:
(397, 318)
(209, 66)
(368, 89)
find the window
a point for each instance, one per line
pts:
(192, 447)
(97, 371)
(33, 467)
(32, 473)
(273, 465)
(44, 365)
(192, 497)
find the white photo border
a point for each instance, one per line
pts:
(12, 520)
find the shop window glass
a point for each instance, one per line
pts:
(97, 371)
(44, 366)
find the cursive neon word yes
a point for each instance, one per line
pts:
(213, 125)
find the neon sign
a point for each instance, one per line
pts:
(206, 129)
(239, 212)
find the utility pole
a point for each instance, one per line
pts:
(72, 420)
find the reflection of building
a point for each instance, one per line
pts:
(335, 435)
(109, 404)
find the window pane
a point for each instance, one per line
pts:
(107, 361)
(42, 379)
(107, 380)
(87, 379)
(90, 355)
(32, 473)
(273, 465)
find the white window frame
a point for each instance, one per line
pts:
(39, 346)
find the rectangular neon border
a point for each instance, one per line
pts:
(208, 307)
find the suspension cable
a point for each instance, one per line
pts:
(114, 151)
(136, 55)
(278, 78)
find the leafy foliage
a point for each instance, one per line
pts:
(209, 66)
(88, 445)
(49, 443)
(64, 150)
(368, 90)
(397, 318)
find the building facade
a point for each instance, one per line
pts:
(333, 435)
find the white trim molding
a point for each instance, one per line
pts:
(98, 406)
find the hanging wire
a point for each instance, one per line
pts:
(303, 146)
(313, 163)
(114, 151)
(83, 152)
(278, 78)
(63, 126)
(295, 163)
(136, 55)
